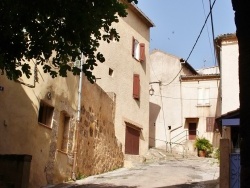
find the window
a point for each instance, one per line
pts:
(138, 50)
(136, 86)
(111, 71)
(63, 132)
(45, 114)
(203, 97)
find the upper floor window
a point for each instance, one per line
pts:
(138, 50)
(136, 86)
(45, 114)
(203, 97)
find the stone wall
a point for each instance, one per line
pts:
(98, 149)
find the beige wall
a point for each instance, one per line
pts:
(174, 102)
(20, 133)
(164, 67)
(229, 76)
(191, 109)
(118, 57)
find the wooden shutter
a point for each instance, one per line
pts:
(133, 47)
(142, 52)
(210, 124)
(136, 86)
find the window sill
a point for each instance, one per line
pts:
(203, 105)
(43, 125)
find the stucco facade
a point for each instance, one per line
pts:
(39, 116)
(62, 147)
(175, 103)
(228, 51)
(227, 55)
(117, 73)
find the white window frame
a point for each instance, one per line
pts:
(203, 98)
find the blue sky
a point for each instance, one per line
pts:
(178, 24)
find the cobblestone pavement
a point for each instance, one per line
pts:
(167, 172)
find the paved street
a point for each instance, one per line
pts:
(170, 172)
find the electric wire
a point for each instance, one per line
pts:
(180, 98)
(212, 25)
(201, 31)
(194, 44)
(209, 39)
(173, 78)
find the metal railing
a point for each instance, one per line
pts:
(181, 138)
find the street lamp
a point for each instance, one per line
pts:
(151, 90)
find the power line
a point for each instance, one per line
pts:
(182, 98)
(212, 24)
(201, 30)
(207, 29)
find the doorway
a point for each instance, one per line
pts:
(192, 131)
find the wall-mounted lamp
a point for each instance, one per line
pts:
(151, 91)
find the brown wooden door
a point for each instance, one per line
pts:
(132, 141)
(192, 131)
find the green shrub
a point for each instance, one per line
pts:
(203, 144)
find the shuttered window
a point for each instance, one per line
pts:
(210, 124)
(138, 50)
(136, 86)
(45, 114)
(203, 96)
(142, 52)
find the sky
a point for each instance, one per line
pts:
(179, 22)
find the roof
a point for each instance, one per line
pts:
(139, 13)
(187, 65)
(223, 37)
(230, 114)
(200, 77)
(219, 39)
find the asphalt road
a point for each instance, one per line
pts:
(168, 173)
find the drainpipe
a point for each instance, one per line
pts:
(78, 118)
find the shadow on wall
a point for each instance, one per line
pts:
(154, 111)
(217, 129)
(19, 130)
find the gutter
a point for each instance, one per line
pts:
(78, 118)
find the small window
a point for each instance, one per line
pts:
(45, 114)
(203, 97)
(136, 86)
(63, 132)
(138, 50)
(111, 71)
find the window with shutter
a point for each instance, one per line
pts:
(45, 114)
(210, 124)
(142, 52)
(138, 50)
(203, 97)
(136, 87)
